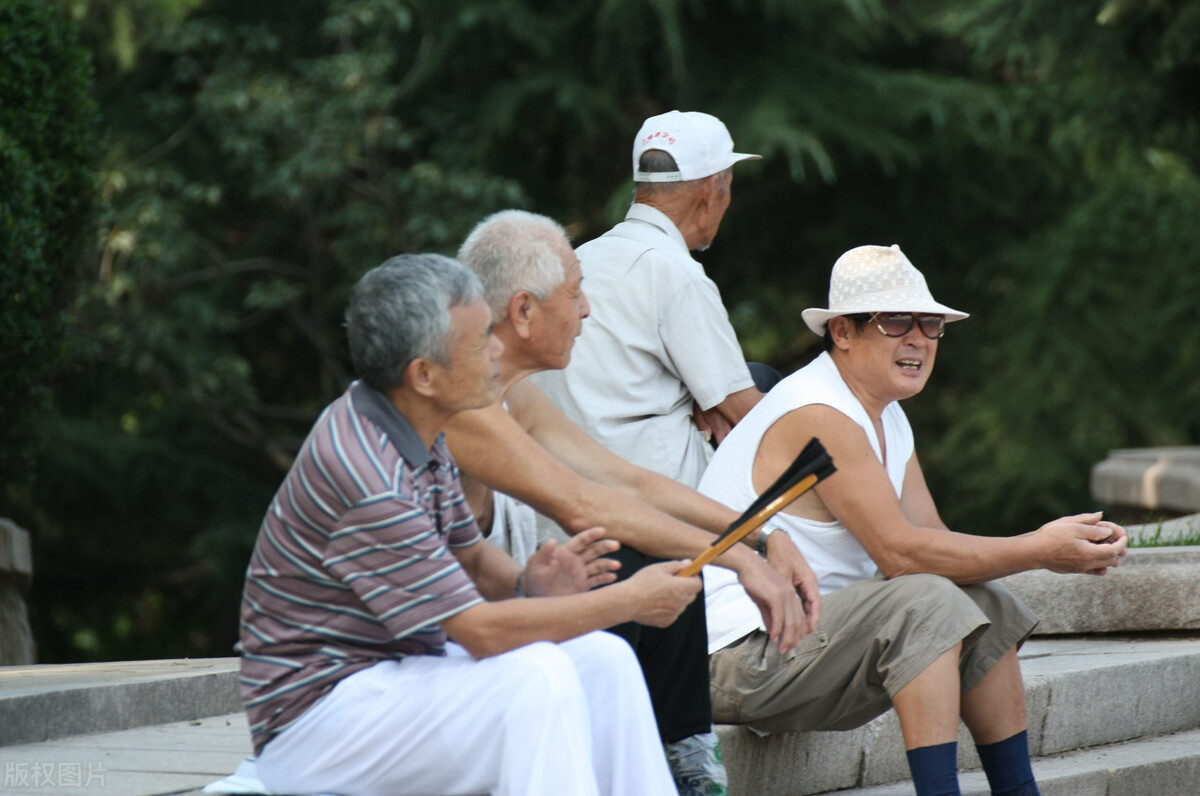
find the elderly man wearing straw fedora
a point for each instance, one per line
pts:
(658, 369)
(909, 617)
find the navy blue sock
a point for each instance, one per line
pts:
(1007, 766)
(935, 769)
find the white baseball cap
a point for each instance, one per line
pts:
(699, 143)
(876, 279)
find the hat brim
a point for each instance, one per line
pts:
(815, 318)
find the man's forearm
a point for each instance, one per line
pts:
(493, 571)
(683, 502)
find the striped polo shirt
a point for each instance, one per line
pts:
(352, 564)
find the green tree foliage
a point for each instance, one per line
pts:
(47, 120)
(260, 156)
(1035, 159)
(1086, 338)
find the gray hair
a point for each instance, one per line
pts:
(658, 160)
(513, 250)
(400, 311)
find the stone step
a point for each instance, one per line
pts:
(1167, 765)
(158, 760)
(1155, 588)
(48, 701)
(1079, 692)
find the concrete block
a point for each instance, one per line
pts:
(1153, 589)
(16, 550)
(1152, 478)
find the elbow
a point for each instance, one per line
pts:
(894, 563)
(482, 630)
(481, 642)
(589, 508)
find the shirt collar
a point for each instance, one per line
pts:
(379, 409)
(656, 218)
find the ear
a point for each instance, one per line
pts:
(839, 330)
(521, 309)
(706, 194)
(419, 376)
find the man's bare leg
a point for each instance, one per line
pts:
(995, 708)
(928, 708)
(994, 711)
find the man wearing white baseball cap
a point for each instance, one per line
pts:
(659, 345)
(909, 618)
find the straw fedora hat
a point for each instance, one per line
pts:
(876, 279)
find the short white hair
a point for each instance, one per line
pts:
(514, 250)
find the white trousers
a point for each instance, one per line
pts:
(546, 719)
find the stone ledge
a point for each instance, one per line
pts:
(1154, 589)
(1150, 478)
(51, 701)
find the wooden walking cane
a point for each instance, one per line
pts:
(812, 466)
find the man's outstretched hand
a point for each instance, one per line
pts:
(577, 565)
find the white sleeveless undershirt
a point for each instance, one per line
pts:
(832, 551)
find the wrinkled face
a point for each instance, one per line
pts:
(472, 380)
(889, 368)
(559, 318)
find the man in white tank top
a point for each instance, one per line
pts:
(908, 616)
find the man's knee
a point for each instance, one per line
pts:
(927, 590)
(600, 647)
(994, 600)
(603, 655)
(543, 668)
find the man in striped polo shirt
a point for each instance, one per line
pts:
(383, 648)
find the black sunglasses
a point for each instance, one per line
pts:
(898, 324)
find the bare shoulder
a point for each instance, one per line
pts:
(791, 432)
(787, 436)
(537, 414)
(526, 402)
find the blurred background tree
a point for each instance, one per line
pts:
(47, 139)
(1036, 160)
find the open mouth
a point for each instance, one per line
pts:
(911, 365)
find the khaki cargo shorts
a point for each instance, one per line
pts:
(873, 638)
